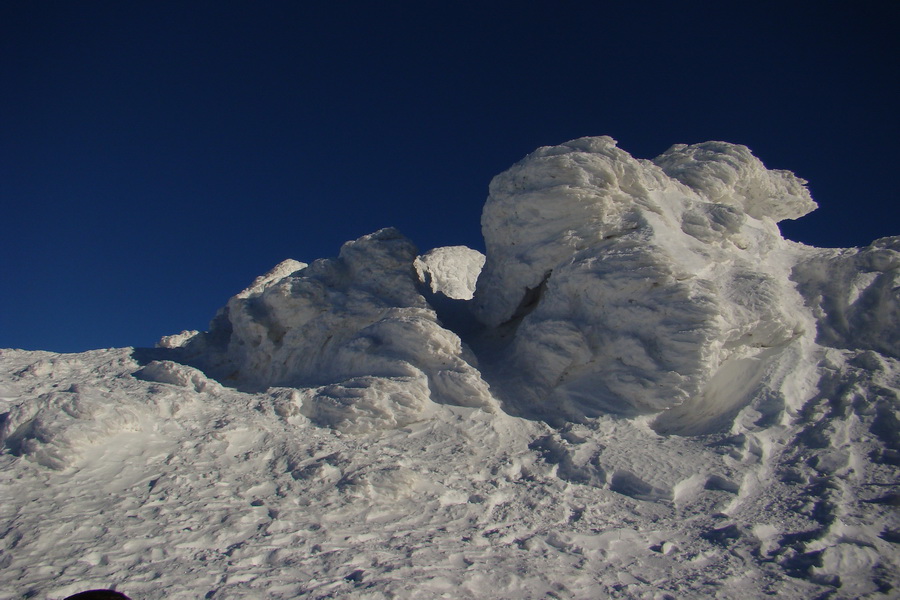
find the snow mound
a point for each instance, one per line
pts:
(165, 371)
(355, 327)
(633, 286)
(56, 424)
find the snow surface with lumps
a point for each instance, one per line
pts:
(640, 390)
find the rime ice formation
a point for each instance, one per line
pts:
(354, 329)
(637, 286)
(729, 174)
(451, 271)
(647, 393)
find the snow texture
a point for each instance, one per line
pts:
(648, 393)
(630, 292)
(354, 329)
(451, 270)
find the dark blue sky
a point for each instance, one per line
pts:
(156, 156)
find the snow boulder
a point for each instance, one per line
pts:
(355, 329)
(626, 285)
(451, 270)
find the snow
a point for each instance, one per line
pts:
(729, 174)
(648, 393)
(853, 293)
(632, 293)
(451, 270)
(353, 330)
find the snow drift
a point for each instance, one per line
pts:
(641, 390)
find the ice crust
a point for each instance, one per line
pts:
(641, 390)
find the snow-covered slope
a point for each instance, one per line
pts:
(648, 393)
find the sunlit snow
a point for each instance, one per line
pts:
(641, 390)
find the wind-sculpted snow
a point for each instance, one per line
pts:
(629, 291)
(451, 271)
(710, 410)
(354, 329)
(729, 174)
(855, 295)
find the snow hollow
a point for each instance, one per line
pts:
(641, 390)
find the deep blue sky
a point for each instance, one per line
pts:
(156, 156)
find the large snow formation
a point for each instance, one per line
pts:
(710, 410)
(633, 284)
(355, 330)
